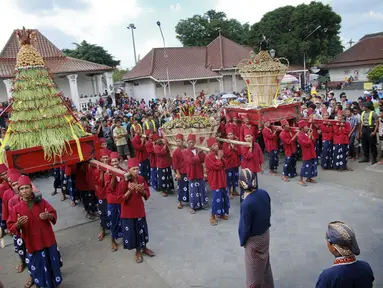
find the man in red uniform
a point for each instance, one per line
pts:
(234, 124)
(133, 216)
(216, 176)
(4, 186)
(289, 142)
(114, 200)
(252, 158)
(149, 146)
(271, 142)
(341, 141)
(101, 193)
(309, 160)
(180, 171)
(194, 170)
(327, 142)
(138, 143)
(86, 188)
(32, 219)
(232, 162)
(164, 166)
(246, 124)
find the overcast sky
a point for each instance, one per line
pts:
(104, 22)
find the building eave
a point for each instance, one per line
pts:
(171, 80)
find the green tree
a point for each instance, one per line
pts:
(288, 29)
(200, 30)
(118, 74)
(376, 74)
(92, 53)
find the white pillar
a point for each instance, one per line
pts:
(234, 82)
(8, 87)
(164, 86)
(220, 80)
(109, 82)
(93, 79)
(74, 90)
(193, 83)
(99, 84)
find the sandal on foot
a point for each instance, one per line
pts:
(20, 267)
(302, 183)
(29, 283)
(139, 258)
(213, 221)
(285, 179)
(114, 248)
(231, 197)
(63, 197)
(164, 194)
(149, 252)
(101, 235)
(180, 206)
(311, 181)
(192, 211)
(53, 193)
(73, 204)
(225, 217)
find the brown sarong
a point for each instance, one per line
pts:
(257, 262)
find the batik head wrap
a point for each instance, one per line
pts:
(342, 237)
(247, 180)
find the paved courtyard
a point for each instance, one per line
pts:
(191, 253)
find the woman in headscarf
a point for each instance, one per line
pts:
(254, 224)
(346, 271)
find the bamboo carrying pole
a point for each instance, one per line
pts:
(235, 142)
(105, 167)
(196, 146)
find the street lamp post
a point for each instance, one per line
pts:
(165, 56)
(132, 28)
(304, 57)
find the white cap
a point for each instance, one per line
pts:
(366, 92)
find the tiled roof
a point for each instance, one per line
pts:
(224, 53)
(368, 51)
(190, 62)
(183, 63)
(55, 60)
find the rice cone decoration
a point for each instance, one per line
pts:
(39, 117)
(263, 75)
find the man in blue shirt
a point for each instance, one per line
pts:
(347, 271)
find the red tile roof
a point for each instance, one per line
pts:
(190, 62)
(54, 58)
(223, 53)
(368, 51)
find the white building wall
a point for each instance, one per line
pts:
(3, 92)
(209, 86)
(144, 88)
(359, 73)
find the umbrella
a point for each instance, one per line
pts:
(227, 96)
(289, 79)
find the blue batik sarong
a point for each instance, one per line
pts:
(44, 267)
(153, 178)
(20, 248)
(144, 169)
(103, 210)
(58, 175)
(232, 177)
(309, 168)
(290, 166)
(273, 160)
(89, 200)
(3, 223)
(114, 211)
(326, 156)
(183, 189)
(197, 194)
(220, 203)
(339, 158)
(135, 233)
(165, 179)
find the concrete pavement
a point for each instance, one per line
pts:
(191, 253)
